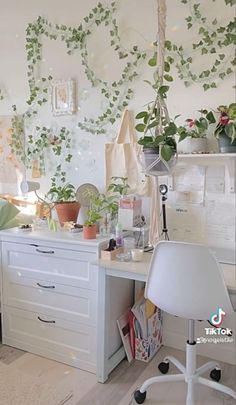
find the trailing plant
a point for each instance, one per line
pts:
(76, 39)
(214, 39)
(18, 136)
(1, 95)
(156, 125)
(59, 144)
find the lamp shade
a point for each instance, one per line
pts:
(28, 186)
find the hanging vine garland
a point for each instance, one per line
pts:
(117, 94)
(214, 39)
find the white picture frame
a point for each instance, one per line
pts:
(63, 97)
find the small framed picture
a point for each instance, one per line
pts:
(63, 97)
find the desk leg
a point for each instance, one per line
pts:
(102, 328)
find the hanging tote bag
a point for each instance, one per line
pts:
(121, 158)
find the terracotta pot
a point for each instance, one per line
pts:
(89, 231)
(67, 211)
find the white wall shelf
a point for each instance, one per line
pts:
(206, 156)
(211, 159)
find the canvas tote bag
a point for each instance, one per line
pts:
(121, 158)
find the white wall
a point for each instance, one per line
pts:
(138, 24)
(137, 21)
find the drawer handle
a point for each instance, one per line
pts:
(43, 320)
(50, 252)
(45, 286)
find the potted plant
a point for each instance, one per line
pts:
(63, 199)
(155, 122)
(96, 205)
(193, 135)
(225, 131)
(158, 140)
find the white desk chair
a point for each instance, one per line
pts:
(186, 280)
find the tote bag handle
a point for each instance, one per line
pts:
(126, 128)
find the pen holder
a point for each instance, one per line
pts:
(111, 255)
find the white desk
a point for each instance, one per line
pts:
(133, 271)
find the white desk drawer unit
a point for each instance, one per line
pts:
(49, 295)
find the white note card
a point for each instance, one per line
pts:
(192, 179)
(220, 220)
(215, 179)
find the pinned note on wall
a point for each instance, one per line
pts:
(189, 185)
(215, 179)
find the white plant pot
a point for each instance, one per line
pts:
(193, 145)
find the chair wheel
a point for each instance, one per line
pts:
(163, 367)
(215, 374)
(140, 396)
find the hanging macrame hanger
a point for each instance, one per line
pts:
(159, 103)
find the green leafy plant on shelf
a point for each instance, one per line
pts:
(194, 129)
(225, 117)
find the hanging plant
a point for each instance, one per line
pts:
(159, 146)
(1, 95)
(214, 39)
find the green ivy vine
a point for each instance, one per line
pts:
(117, 94)
(214, 39)
(34, 150)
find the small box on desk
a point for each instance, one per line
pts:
(146, 348)
(111, 255)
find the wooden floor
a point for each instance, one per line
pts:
(123, 381)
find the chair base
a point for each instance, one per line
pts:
(190, 374)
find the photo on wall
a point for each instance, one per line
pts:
(63, 97)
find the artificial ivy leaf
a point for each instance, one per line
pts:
(167, 67)
(168, 45)
(163, 90)
(168, 78)
(152, 61)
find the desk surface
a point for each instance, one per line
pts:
(139, 270)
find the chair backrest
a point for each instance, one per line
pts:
(186, 280)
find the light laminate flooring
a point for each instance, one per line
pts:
(76, 387)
